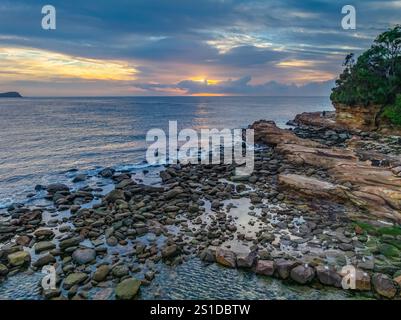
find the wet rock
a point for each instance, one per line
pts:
(208, 254)
(284, 267)
(79, 178)
(165, 176)
(107, 172)
(265, 267)
(84, 256)
(216, 204)
(57, 187)
(44, 246)
(43, 261)
(44, 234)
(51, 294)
(114, 195)
(74, 279)
(112, 241)
(70, 242)
(226, 258)
(127, 289)
(23, 241)
(171, 251)
(120, 271)
(124, 183)
(328, 276)
(19, 258)
(101, 273)
(302, 274)
(173, 193)
(384, 286)
(246, 259)
(149, 275)
(3, 270)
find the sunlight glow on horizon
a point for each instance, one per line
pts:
(37, 64)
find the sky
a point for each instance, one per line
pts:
(183, 47)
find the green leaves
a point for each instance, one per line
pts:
(375, 78)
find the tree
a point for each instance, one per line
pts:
(375, 78)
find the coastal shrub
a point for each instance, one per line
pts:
(375, 77)
(393, 112)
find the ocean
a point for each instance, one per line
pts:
(44, 140)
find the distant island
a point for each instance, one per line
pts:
(11, 94)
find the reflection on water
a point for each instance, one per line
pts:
(41, 137)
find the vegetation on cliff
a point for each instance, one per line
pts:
(375, 77)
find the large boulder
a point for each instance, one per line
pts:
(246, 259)
(328, 276)
(57, 187)
(101, 273)
(127, 289)
(70, 242)
(114, 195)
(284, 267)
(170, 251)
(384, 286)
(302, 274)
(44, 246)
(44, 260)
(84, 256)
(74, 279)
(226, 258)
(19, 258)
(265, 267)
(208, 254)
(3, 270)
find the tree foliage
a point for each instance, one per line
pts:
(375, 77)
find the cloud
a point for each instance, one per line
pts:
(26, 63)
(159, 41)
(241, 86)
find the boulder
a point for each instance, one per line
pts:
(84, 256)
(265, 267)
(101, 273)
(328, 276)
(114, 195)
(19, 258)
(208, 254)
(107, 172)
(173, 193)
(74, 279)
(3, 270)
(70, 242)
(384, 286)
(127, 289)
(44, 246)
(171, 251)
(302, 274)
(284, 267)
(44, 234)
(226, 258)
(43, 261)
(57, 187)
(120, 271)
(246, 259)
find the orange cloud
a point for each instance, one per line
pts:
(36, 64)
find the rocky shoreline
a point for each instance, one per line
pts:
(321, 197)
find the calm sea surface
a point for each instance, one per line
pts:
(42, 138)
